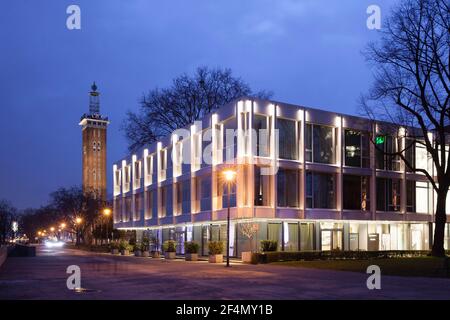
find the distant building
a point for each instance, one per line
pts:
(330, 188)
(94, 127)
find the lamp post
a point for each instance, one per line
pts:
(106, 213)
(229, 178)
(78, 221)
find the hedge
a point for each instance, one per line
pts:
(268, 257)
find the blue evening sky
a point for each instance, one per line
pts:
(306, 51)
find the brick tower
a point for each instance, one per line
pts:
(94, 127)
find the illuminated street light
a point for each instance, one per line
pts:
(63, 225)
(229, 175)
(52, 229)
(106, 213)
(78, 220)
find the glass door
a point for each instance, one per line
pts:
(331, 239)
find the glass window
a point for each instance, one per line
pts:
(291, 237)
(186, 196)
(308, 142)
(262, 187)
(352, 148)
(306, 236)
(353, 186)
(321, 187)
(410, 196)
(287, 138)
(410, 154)
(274, 233)
(388, 194)
(319, 144)
(149, 173)
(260, 125)
(287, 188)
(422, 197)
(205, 193)
(384, 158)
(356, 149)
(149, 204)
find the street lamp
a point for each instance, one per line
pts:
(230, 176)
(106, 213)
(78, 221)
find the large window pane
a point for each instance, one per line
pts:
(287, 139)
(323, 144)
(291, 237)
(356, 193)
(262, 135)
(388, 194)
(306, 236)
(287, 188)
(323, 190)
(262, 188)
(352, 148)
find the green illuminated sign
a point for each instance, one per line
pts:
(380, 139)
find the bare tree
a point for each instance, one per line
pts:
(72, 203)
(7, 216)
(189, 98)
(412, 90)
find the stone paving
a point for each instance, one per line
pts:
(118, 277)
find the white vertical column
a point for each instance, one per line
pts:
(339, 180)
(301, 151)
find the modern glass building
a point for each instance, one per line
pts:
(307, 178)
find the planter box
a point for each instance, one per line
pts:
(146, 254)
(215, 258)
(169, 255)
(114, 251)
(191, 256)
(138, 253)
(247, 256)
(124, 252)
(155, 254)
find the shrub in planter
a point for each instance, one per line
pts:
(170, 248)
(145, 247)
(125, 248)
(215, 249)
(137, 250)
(114, 247)
(191, 249)
(268, 245)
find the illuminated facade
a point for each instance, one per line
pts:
(94, 127)
(313, 180)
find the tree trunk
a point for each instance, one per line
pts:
(440, 220)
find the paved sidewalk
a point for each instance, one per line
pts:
(118, 277)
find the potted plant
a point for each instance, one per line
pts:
(155, 247)
(170, 248)
(125, 248)
(145, 247)
(114, 246)
(191, 250)
(137, 248)
(269, 245)
(249, 230)
(215, 251)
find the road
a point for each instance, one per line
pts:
(118, 277)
